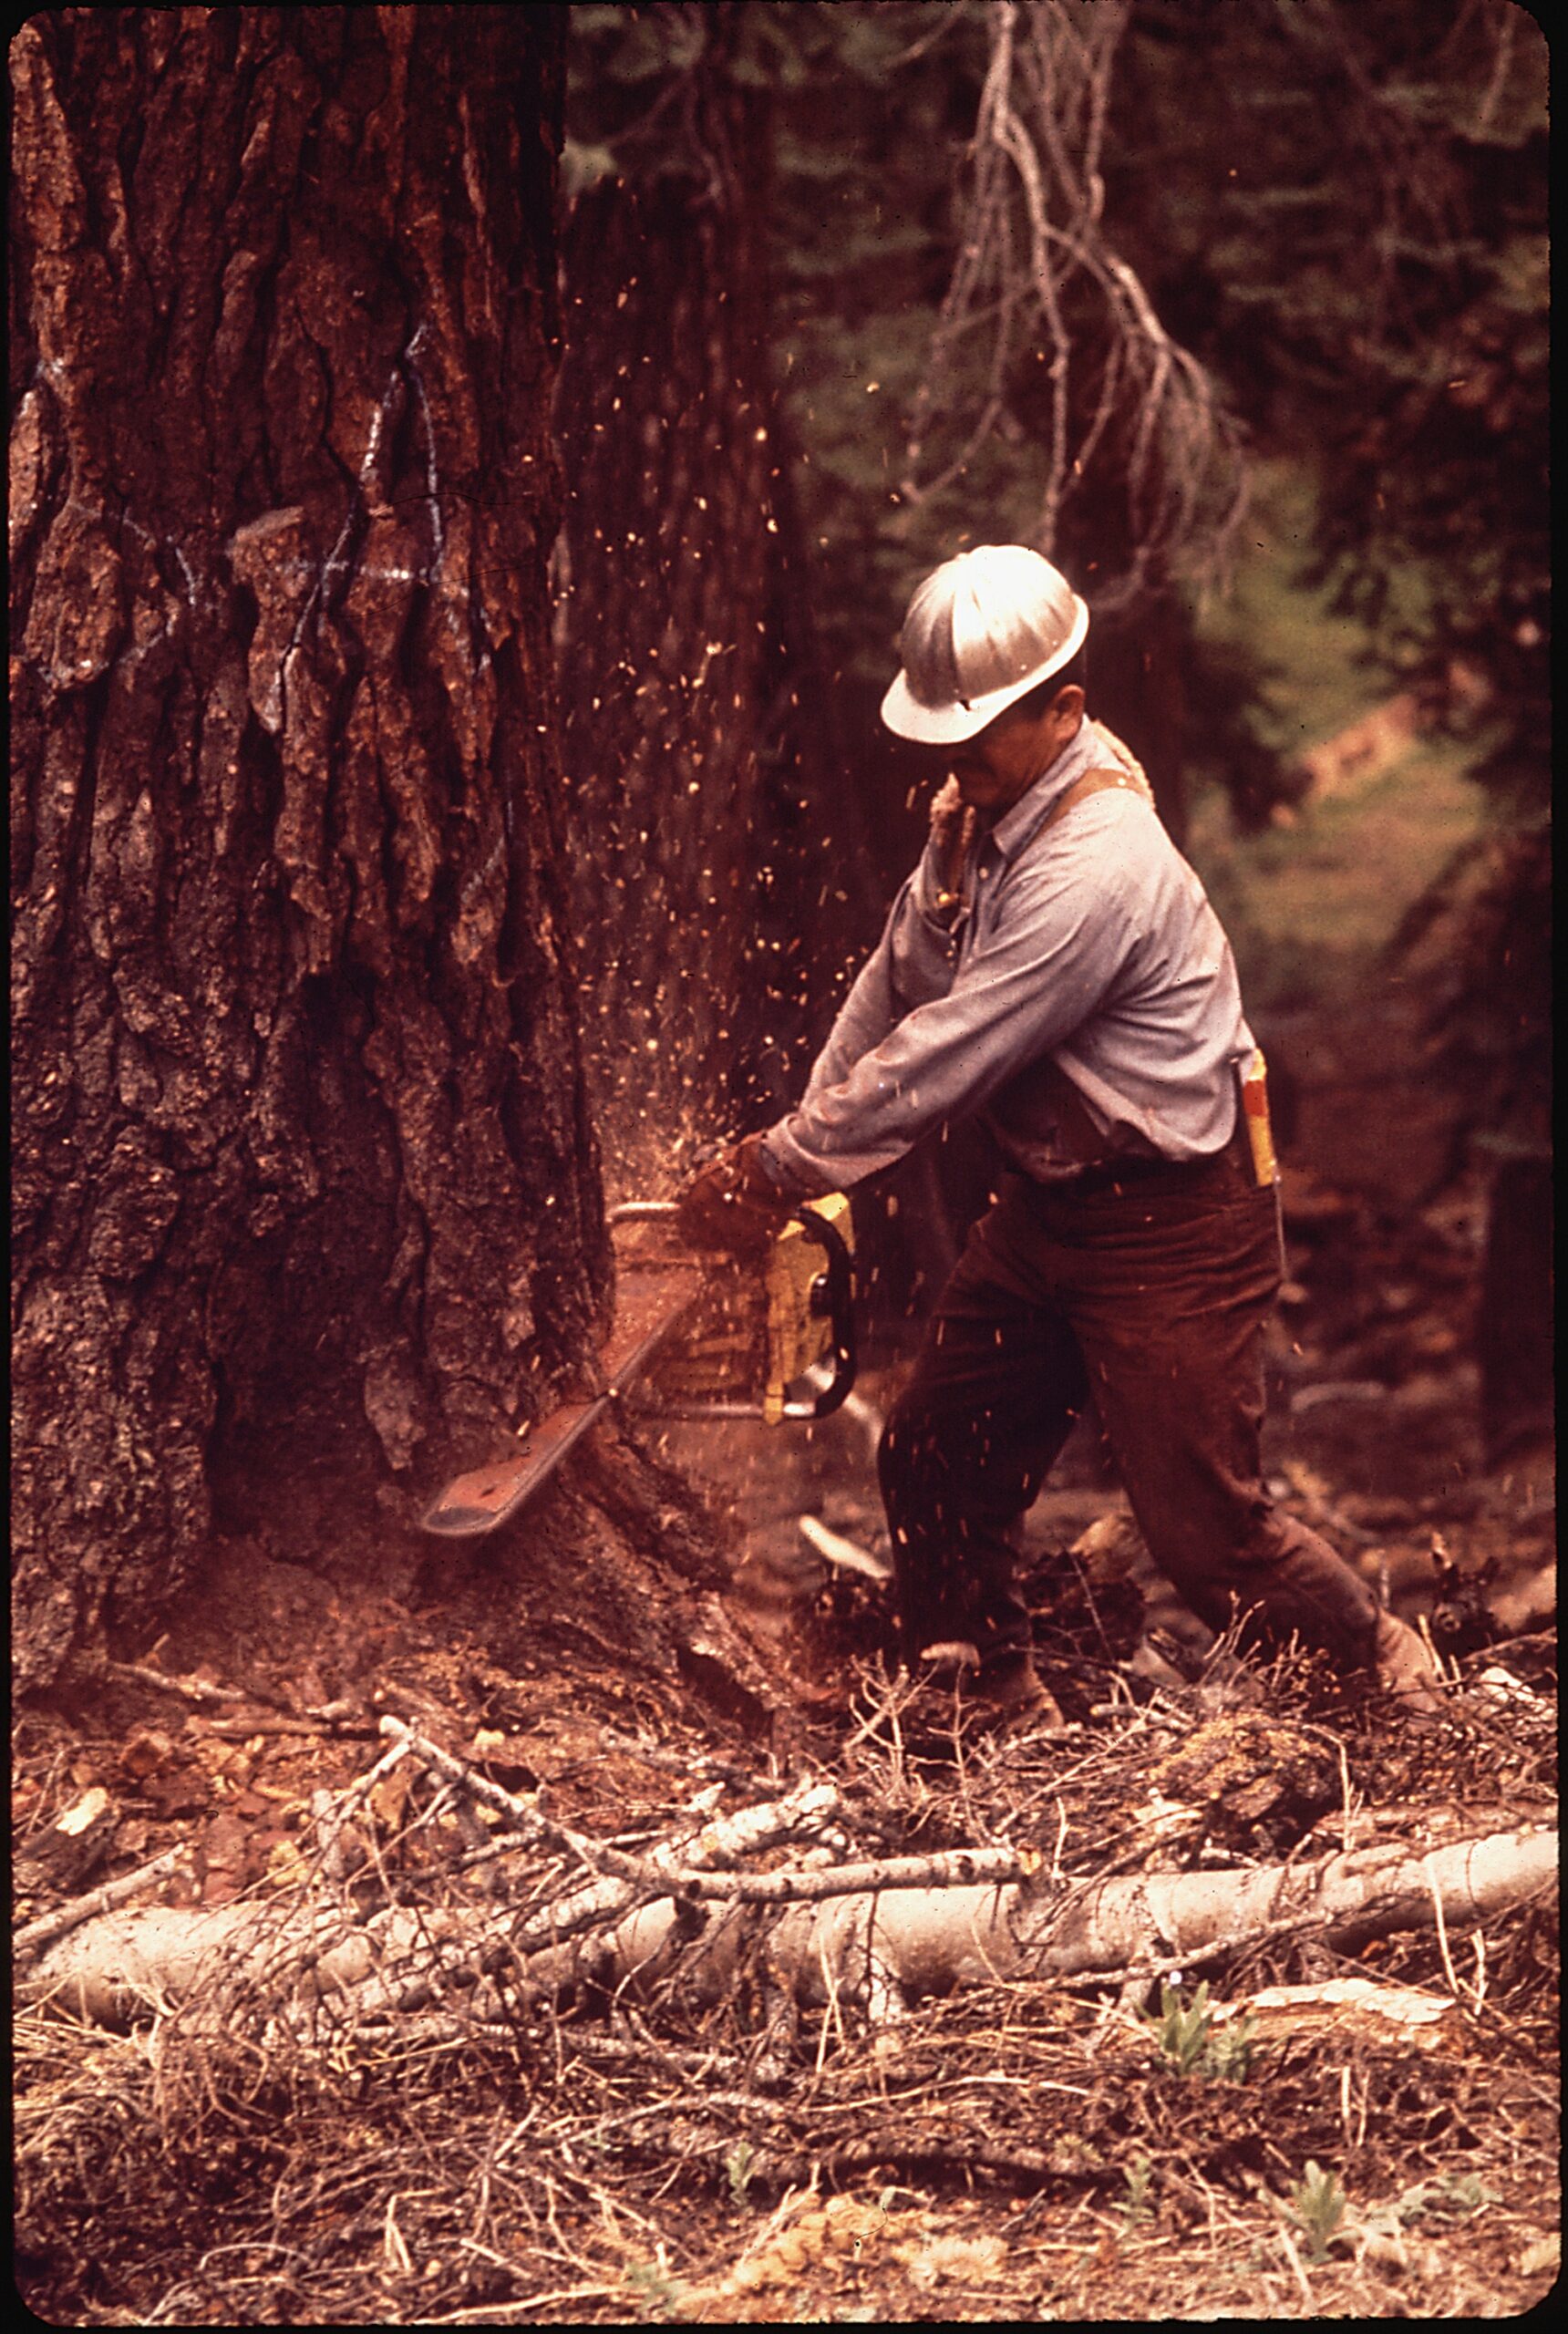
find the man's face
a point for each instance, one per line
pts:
(1000, 764)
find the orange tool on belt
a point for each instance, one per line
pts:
(1255, 1105)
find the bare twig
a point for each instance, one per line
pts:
(189, 1689)
(205, 1695)
(1035, 277)
(49, 1925)
(1288, 2245)
(240, 1729)
(947, 1868)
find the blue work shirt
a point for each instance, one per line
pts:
(1087, 948)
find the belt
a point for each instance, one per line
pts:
(1137, 1170)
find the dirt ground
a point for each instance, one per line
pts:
(1014, 2152)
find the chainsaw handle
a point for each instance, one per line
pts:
(838, 1291)
(836, 1300)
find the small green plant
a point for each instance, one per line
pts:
(1182, 2031)
(1138, 2177)
(739, 2166)
(1229, 2057)
(1454, 2194)
(1317, 2208)
(1192, 2040)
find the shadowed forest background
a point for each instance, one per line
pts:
(467, 468)
(1338, 223)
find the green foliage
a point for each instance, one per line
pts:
(1231, 2048)
(867, 146)
(1318, 2207)
(1295, 666)
(739, 2166)
(1312, 910)
(1340, 211)
(1193, 2042)
(860, 113)
(1454, 2196)
(1348, 225)
(1181, 2029)
(659, 2294)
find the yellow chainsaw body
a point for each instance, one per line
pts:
(757, 1326)
(799, 1333)
(702, 1334)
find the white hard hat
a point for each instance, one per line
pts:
(982, 630)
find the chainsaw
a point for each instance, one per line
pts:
(693, 1336)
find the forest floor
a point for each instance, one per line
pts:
(1019, 2149)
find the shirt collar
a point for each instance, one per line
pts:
(1014, 829)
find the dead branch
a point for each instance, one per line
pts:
(1032, 256)
(32, 1938)
(207, 1696)
(944, 1868)
(914, 1943)
(719, 1842)
(885, 1946)
(189, 1689)
(109, 1967)
(1357, 1895)
(651, 1919)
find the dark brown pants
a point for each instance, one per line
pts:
(1148, 1291)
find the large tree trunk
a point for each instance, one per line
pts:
(710, 826)
(302, 1163)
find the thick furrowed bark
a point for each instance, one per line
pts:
(301, 1146)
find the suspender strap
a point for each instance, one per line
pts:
(1094, 782)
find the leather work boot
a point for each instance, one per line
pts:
(1005, 1695)
(1009, 1696)
(1405, 1670)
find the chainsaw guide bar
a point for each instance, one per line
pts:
(788, 1321)
(651, 1302)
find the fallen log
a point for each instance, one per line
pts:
(919, 1942)
(34, 1935)
(319, 1947)
(884, 1944)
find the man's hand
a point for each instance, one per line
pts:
(734, 1204)
(951, 832)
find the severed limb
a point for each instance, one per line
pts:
(35, 1935)
(971, 1935)
(880, 1935)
